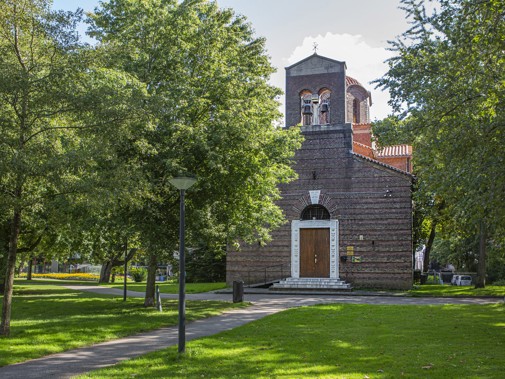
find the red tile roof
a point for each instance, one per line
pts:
(363, 149)
(394, 151)
(352, 82)
(382, 164)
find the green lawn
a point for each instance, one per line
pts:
(47, 318)
(448, 290)
(342, 341)
(170, 287)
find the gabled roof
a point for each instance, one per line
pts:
(370, 160)
(313, 56)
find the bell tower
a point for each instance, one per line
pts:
(316, 92)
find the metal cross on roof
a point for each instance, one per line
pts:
(315, 46)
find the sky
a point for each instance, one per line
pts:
(354, 31)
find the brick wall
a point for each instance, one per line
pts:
(372, 203)
(362, 133)
(402, 163)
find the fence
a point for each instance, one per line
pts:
(267, 275)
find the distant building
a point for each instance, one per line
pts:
(349, 213)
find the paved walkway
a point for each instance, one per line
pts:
(80, 361)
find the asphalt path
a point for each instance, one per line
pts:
(79, 361)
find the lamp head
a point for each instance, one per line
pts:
(182, 182)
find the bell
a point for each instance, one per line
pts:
(324, 107)
(307, 109)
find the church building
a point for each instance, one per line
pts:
(349, 213)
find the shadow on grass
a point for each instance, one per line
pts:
(48, 319)
(171, 287)
(352, 341)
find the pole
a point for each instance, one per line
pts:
(182, 280)
(125, 269)
(158, 299)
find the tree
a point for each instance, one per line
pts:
(446, 82)
(214, 112)
(59, 112)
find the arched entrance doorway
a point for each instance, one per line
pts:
(314, 244)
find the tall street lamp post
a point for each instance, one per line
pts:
(182, 184)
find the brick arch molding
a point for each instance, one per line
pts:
(303, 201)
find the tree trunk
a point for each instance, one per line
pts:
(3, 269)
(4, 253)
(149, 300)
(5, 326)
(429, 245)
(30, 268)
(107, 267)
(105, 272)
(480, 281)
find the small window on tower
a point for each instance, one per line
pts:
(355, 111)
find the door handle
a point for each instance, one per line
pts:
(315, 260)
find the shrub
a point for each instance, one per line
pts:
(206, 265)
(139, 274)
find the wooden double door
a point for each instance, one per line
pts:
(315, 252)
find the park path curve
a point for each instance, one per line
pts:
(80, 361)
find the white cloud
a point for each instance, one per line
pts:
(364, 62)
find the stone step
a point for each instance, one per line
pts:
(311, 286)
(312, 283)
(312, 280)
(322, 282)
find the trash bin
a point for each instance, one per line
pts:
(417, 276)
(238, 291)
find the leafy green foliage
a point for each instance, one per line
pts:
(91, 135)
(139, 274)
(447, 87)
(390, 131)
(214, 113)
(206, 265)
(61, 112)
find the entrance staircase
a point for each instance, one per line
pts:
(311, 284)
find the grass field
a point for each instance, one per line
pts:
(165, 287)
(47, 318)
(342, 341)
(448, 290)
(171, 287)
